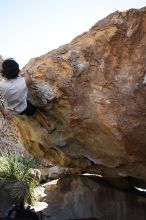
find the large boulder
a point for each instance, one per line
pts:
(91, 96)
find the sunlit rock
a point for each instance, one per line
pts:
(91, 96)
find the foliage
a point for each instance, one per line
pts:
(15, 168)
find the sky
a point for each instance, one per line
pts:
(31, 28)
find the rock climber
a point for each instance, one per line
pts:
(14, 91)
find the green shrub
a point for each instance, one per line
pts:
(15, 168)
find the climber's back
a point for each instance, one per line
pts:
(14, 90)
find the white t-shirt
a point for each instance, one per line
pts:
(14, 93)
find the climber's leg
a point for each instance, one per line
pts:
(38, 115)
(42, 119)
(30, 110)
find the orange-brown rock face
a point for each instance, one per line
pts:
(92, 99)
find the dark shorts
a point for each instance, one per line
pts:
(30, 110)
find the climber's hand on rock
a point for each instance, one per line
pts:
(6, 113)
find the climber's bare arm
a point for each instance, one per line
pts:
(5, 112)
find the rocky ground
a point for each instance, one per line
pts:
(83, 197)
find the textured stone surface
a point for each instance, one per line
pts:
(92, 99)
(82, 197)
(9, 139)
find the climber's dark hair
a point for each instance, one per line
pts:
(10, 69)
